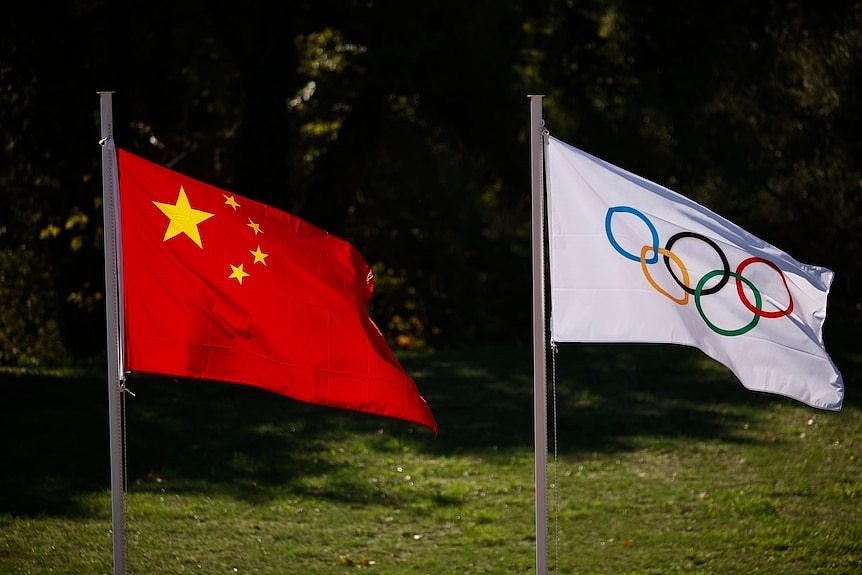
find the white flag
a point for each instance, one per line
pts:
(632, 261)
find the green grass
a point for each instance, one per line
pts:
(665, 465)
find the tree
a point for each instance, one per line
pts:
(402, 127)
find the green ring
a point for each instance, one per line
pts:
(712, 326)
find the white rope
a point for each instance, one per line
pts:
(556, 466)
(123, 391)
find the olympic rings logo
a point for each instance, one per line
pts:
(683, 279)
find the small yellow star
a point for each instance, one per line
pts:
(230, 201)
(254, 226)
(259, 256)
(237, 273)
(184, 218)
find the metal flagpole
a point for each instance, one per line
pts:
(112, 306)
(540, 385)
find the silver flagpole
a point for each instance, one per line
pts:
(540, 384)
(112, 306)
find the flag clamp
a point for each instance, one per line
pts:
(125, 388)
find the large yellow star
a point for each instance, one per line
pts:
(184, 218)
(237, 273)
(259, 256)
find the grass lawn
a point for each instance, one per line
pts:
(665, 465)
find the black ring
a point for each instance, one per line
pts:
(725, 273)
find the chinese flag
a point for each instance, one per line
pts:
(219, 287)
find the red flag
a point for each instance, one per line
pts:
(220, 287)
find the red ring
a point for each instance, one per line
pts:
(748, 304)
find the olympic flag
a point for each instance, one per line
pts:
(632, 261)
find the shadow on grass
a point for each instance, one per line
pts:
(246, 443)
(606, 397)
(53, 442)
(609, 397)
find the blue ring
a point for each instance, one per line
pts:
(624, 253)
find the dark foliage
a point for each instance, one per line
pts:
(402, 127)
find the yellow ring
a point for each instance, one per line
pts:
(644, 250)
